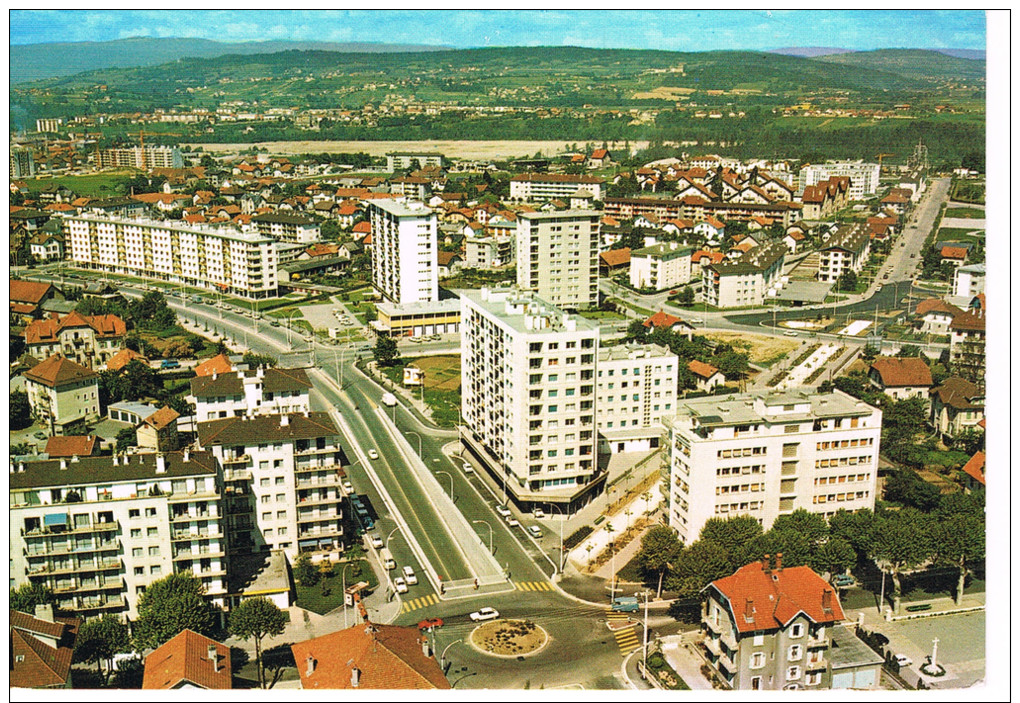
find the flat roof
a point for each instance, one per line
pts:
(224, 232)
(561, 214)
(495, 302)
(849, 651)
(664, 250)
(805, 291)
(436, 306)
(739, 408)
(403, 209)
(619, 352)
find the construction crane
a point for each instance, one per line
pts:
(880, 156)
(141, 140)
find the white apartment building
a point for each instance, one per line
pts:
(534, 187)
(135, 157)
(49, 124)
(62, 393)
(238, 263)
(848, 249)
(488, 252)
(404, 251)
(661, 266)
(258, 391)
(558, 256)
(97, 530)
(863, 176)
(747, 281)
(282, 476)
(767, 454)
(528, 395)
(22, 163)
(400, 160)
(637, 385)
(969, 280)
(288, 227)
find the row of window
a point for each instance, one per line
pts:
(740, 488)
(738, 507)
(746, 451)
(840, 497)
(842, 461)
(844, 443)
(741, 470)
(845, 478)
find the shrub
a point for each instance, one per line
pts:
(578, 536)
(655, 661)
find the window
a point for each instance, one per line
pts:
(264, 482)
(757, 660)
(279, 480)
(759, 640)
(265, 499)
(793, 672)
(280, 498)
(134, 513)
(795, 652)
(155, 570)
(797, 630)
(152, 532)
(267, 516)
(813, 679)
(281, 514)
(139, 571)
(137, 552)
(153, 551)
(136, 533)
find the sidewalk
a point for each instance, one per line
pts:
(939, 606)
(685, 662)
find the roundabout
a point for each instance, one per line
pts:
(509, 638)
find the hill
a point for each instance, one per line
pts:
(809, 51)
(31, 62)
(919, 64)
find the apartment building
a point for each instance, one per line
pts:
(49, 124)
(418, 319)
(404, 251)
(260, 391)
(97, 530)
(287, 227)
(282, 481)
(770, 628)
(863, 176)
(847, 249)
(746, 281)
(558, 256)
(766, 454)
(528, 395)
(661, 266)
(22, 163)
(87, 340)
(402, 160)
(637, 385)
(969, 280)
(534, 187)
(488, 252)
(62, 393)
(967, 346)
(136, 157)
(243, 264)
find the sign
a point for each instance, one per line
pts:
(413, 376)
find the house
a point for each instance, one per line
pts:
(449, 262)
(771, 628)
(847, 248)
(89, 340)
(600, 158)
(935, 315)
(711, 228)
(956, 406)
(974, 473)
(967, 346)
(793, 239)
(706, 375)
(62, 393)
(42, 646)
(27, 298)
(46, 247)
(158, 431)
(218, 364)
(702, 258)
(969, 280)
(369, 656)
(188, 661)
(614, 260)
(663, 320)
(67, 447)
(901, 378)
(957, 256)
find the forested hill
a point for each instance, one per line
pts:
(912, 63)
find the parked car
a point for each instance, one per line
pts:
(400, 585)
(373, 454)
(484, 614)
(791, 333)
(843, 580)
(503, 510)
(512, 521)
(40, 435)
(170, 364)
(468, 469)
(903, 660)
(538, 513)
(376, 541)
(696, 321)
(535, 531)
(409, 576)
(348, 488)
(430, 623)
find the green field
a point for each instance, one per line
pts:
(968, 212)
(100, 185)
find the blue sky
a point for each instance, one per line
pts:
(634, 29)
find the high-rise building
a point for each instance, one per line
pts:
(404, 251)
(558, 256)
(767, 454)
(288, 227)
(637, 385)
(528, 395)
(863, 176)
(223, 259)
(544, 186)
(49, 124)
(22, 163)
(136, 157)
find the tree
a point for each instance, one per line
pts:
(906, 487)
(660, 546)
(99, 639)
(901, 542)
(151, 312)
(812, 525)
(847, 281)
(794, 546)
(255, 618)
(856, 528)
(734, 365)
(697, 566)
(25, 597)
(960, 543)
(835, 557)
(686, 296)
(909, 351)
(305, 572)
(385, 352)
(636, 331)
(127, 437)
(731, 534)
(20, 410)
(180, 349)
(137, 381)
(255, 360)
(169, 606)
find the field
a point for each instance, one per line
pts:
(101, 185)
(761, 349)
(968, 212)
(460, 149)
(441, 372)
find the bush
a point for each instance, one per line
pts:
(655, 661)
(578, 536)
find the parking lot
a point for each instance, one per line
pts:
(961, 644)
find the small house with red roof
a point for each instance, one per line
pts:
(62, 393)
(614, 260)
(974, 473)
(957, 405)
(934, 315)
(218, 364)
(42, 647)
(158, 431)
(27, 298)
(663, 320)
(901, 377)
(67, 447)
(189, 661)
(773, 628)
(957, 256)
(706, 376)
(600, 158)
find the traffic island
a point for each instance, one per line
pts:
(509, 638)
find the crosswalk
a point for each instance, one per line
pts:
(626, 638)
(416, 603)
(533, 585)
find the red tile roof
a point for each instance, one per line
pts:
(386, 657)
(162, 417)
(700, 368)
(218, 364)
(322, 249)
(937, 305)
(714, 257)
(661, 319)
(47, 331)
(363, 226)
(897, 371)
(769, 599)
(72, 446)
(445, 258)
(968, 322)
(975, 468)
(959, 393)
(34, 663)
(58, 371)
(185, 659)
(600, 154)
(29, 291)
(123, 358)
(954, 253)
(615, 257)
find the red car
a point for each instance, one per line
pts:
(430, 623)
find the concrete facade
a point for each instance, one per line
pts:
(558, 256)
(637, 385)
(404, 251)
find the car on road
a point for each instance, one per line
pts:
(673, 292)
(535, 531)
(502, 510)
(791, 333)
(484, 614)
(400, 585)
(409, 576)
(430, 623)
(538, 513)
(512, 521)
(468, 469)
(40, 435)
(373, 454)
(696, 321)
(843, 580)
(170, 364)
(903, 660)
(376, 541)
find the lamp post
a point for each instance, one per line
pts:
(442, 657)
(289, 315)
(343, 584)
(419, 442)
(451, 481)
(645, 642)
(563, 518)
(483, 522)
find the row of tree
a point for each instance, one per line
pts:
(732, 363)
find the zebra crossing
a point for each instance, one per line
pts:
(416, 603)
(533, 585)
(626, 638)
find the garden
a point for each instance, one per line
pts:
(509, 638)
(320, 586)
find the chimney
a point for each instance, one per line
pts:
(827, 600)
(63, 464)
(160, 464)
(214, 657)
(355, 676)
(187, 454)
(779, 561)
(309, 665)
(214, 374)
(766, 564)
(75, 459)
(284, 420)
(261, 373)
(44, 611)
(21, 467)
(749, 610)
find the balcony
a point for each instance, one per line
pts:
(112, 546)
(314, 450)
(236, 475)
(189, 555)
(305, 468)
(203, 515)
(236, 459)
(97, 585)
(317, 515)
(321, 532)
(815, 663)
(184, 536)
(85, 529)
(101, 603)
(328, 480)
(316, 499)
(815, 642)
(192, 495)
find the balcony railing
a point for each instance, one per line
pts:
(93, 527)
(204, 515)
(186, 554)
(113, 546)
(184, 536)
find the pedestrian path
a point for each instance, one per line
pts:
(533, 586)
(627, 639)
(416, 603)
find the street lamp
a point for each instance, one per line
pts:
(483, 522)
(343, 584)
(289, 315)
(451, 481)
(442, 657)
(563, 518)
(419, 442)
(645, 643)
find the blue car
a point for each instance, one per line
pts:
(170, 364)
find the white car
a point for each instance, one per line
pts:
(791, 333)
(535, 531)
(373, 454)
(376, 541)
(903, 660)
(468, 469)
(409, 576)
(398, 583)
(538, 513)
(696, 321)
(484, 614)
(503, 510)
(512, 521)
(348, 488)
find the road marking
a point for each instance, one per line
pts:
(532, 586)
(421, 602)
(627, 640)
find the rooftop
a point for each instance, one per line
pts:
(621, 352)
(770, 406)
(266, 429)
(524, 311)
(102, 470)
(398, 209)
(176, 226)
(185, 659)
(593, 215)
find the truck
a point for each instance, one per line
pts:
(387, 559)
(389, 400)
(625, 604)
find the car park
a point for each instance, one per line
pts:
(373, 454)
(502, 510)
(376, 541)
(535, 531)
(484, 614)
(400, 585)
(512, 521)
(409, 576)
(430, 623)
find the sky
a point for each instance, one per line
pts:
(626, 29)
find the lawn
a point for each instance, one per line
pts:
(601, 315)
(968, 212)
(100, 185)
(328, 594)
(442, 385)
